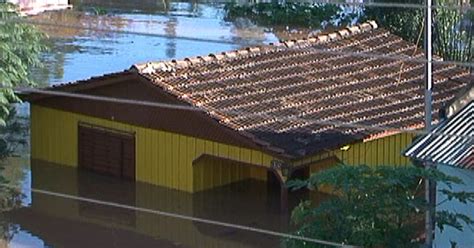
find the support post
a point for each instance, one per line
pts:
(428, 45)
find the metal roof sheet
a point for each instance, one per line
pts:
(450, 143)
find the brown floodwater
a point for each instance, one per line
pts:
(51, 221)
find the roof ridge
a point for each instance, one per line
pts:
(172, 65)
(334, 35)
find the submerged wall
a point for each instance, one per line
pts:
(189, 163)
(162, 158)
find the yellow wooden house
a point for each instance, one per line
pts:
(270, 112)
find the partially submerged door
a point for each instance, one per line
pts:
(106, 151)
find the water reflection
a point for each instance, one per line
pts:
(62, 222)
(79, 53)
(191, 8)
(11, 172)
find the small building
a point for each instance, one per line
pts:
(450, 147)
(270, 112)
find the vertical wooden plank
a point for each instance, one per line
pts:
(369, 151)
(180, 175)
(234, 153)
(209, 171)
(147, 150)
(398, 145)
(391, 145)
(160, 162)
(142, 139)
(266, 160)
(222, 150)
(349, 157)
(216, 170)
(406, 143)
(198, 176)
(168, 159)
(153, 150)
(245, 155)
(359, 147)
(191, 155)
(380, 154)
(257, 157)
(200, 147)
(226, 165)
(175, 167)
(360, 150)
(138, 156)
(209, 145)
(386, 148)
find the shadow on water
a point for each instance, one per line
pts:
(60, 222)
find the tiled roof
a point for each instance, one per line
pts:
(450, 143)
(279, 92)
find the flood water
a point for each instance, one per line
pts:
(41, 220)
(82, 53)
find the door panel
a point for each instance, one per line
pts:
(106, 152)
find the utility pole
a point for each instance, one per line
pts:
(428, 45)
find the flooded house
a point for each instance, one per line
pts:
(268, 113)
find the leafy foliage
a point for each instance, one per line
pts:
(452, 30)
(13, 134)
(289, 14)
(373, 207)
(453, 33)
(20, 47)
(404, 22)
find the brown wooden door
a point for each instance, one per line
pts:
(106, 151)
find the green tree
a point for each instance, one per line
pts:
(13, 135)
(290, 15)
(452, 29)
(20, 48)
(373, 207)
(404, 22)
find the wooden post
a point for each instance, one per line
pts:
(429, 225)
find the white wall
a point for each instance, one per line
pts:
(464, 239)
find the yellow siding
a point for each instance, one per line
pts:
(210, 172)
(384, 151)
(162, 158)
(166, 159)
